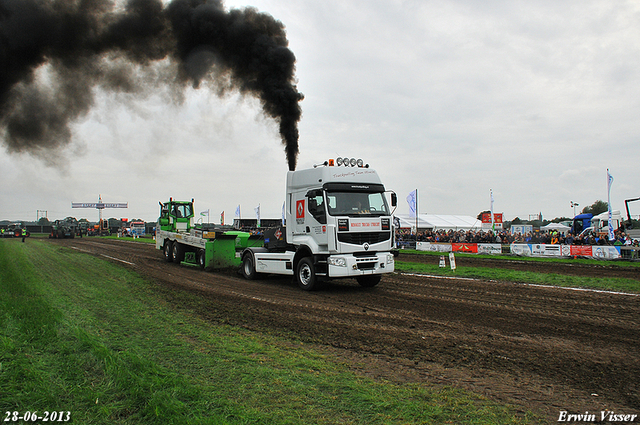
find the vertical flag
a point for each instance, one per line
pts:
(609, 181)
(222, 218)
(493, 224)
(412, 199)
(257, 210)
(203, 213)
(238, 212)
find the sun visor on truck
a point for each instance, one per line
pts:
(354, 187)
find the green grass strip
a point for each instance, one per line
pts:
(80, 334)
(505, 275)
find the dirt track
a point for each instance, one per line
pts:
(542, 349)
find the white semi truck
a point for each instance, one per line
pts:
(338, 225)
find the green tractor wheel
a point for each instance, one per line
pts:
(168, 251)
(178, 252)
(201, 258)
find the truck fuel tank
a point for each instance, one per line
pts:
(276, 238)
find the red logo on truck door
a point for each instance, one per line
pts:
(300, 212)
(300, 208)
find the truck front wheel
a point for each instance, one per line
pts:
(167, 251)
(306, 274)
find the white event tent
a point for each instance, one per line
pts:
(440, 222)
(556, 226)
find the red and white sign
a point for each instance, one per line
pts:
(584, 250)
(300, 208)
(365, 224)
(497, 218)
(464, 247)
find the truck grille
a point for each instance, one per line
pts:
(364, 237)
(367, 266)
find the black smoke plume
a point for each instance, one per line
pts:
(86, 44)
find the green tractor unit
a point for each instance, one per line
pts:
(16, 230)
(208, 246)
(67, 228)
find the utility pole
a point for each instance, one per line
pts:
(574, 205)
(41, 214)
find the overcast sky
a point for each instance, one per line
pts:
(533, 100)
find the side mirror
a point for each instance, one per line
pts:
(394, 199)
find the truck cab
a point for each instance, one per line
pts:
(176, 216)
(337, 211)
(581, 222)
(338, 225)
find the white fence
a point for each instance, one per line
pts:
(605, 252)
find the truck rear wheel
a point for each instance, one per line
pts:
(249, 267)
(369, 281)
(306, 274)
(201, 258)
(168, 251)
(178, 252)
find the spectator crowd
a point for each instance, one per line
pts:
(553, 237)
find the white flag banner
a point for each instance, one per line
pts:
(257, 210)
(609, 181)
(238, 211)
(493, 224)
(412, 199)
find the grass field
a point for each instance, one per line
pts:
(81, 335)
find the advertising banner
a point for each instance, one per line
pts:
(521, 249)
(489, 248)
(486, 221)
(525, 250)
(433, 247)
(584, 250)
(544, 250)
(465, 247)
(605, 252)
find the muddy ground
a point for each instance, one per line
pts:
(541, 349)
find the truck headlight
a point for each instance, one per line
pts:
(390, 259)
(338, 261)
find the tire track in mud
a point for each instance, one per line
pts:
(542, 348)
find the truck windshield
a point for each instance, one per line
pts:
(357, 203)
(182, 210)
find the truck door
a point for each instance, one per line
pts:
(316, 221)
